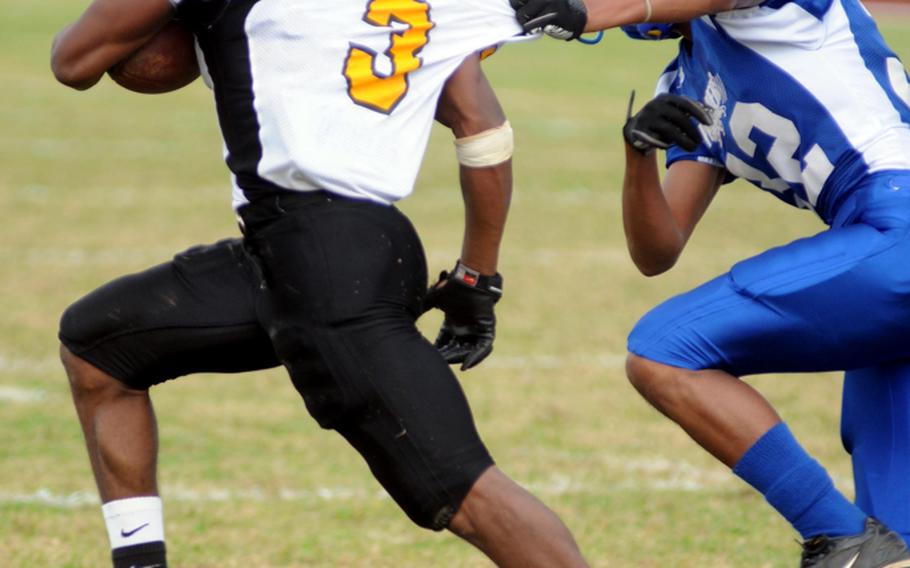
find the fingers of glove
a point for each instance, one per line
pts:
(444, 337)
(455, 350)
(539, 23)
(692, 108)
(467, 352)
(647, 138)
(481, 351)
(686, 132)
(667, 123)
(558, 32)
(670, 134)
(665, 112)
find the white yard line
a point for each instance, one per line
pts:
(20, 395)
(24, 364)
(640, 475)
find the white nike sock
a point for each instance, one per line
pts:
(133, 521)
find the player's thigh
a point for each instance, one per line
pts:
(839, 299)
(345, 280)
(196, 313)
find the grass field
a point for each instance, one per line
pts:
(96, 184)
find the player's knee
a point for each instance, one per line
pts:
(673, 343)
(493, 495)
(69, 329)
(641, 373)
(72, 334)
(87, 381)
(663, 386)
(85, 330)
(81, 324)
(645, 338)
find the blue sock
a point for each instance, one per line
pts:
(798, 486)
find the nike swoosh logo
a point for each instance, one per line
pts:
(126, 534)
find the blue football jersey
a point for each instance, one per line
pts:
(806, 98)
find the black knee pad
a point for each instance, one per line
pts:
(84, 326)
(196, 313)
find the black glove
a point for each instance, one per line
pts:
(467, 298)
(663, 122)
(562, 19)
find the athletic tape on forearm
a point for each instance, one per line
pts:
(488, 148)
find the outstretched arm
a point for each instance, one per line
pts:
(107, 32)
(606, 14)
(567, 19)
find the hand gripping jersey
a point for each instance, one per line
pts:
(336, 95)
(807, 99)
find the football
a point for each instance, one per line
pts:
(166, 63)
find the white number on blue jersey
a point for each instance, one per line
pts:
(747, 117)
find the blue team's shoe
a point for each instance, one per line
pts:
(875, 547)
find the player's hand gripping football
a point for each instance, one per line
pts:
(562, 19)
(467, 298)
(665, 121)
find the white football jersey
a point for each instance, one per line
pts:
(335, 95)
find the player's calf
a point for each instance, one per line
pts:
(119, 429)
(87, 383)
(512, 527)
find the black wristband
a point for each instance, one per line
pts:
(474, 279)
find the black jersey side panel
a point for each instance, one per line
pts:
(226, 48)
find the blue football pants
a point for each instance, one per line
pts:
(875, 427)
(839, 300)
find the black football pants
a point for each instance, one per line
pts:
(329, 287)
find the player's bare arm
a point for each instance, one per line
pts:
(659, 218)
(483, 139)
(567, 19)
(469, 107)
(107, 32)
(605, 14)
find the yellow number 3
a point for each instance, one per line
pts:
(383, 93)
